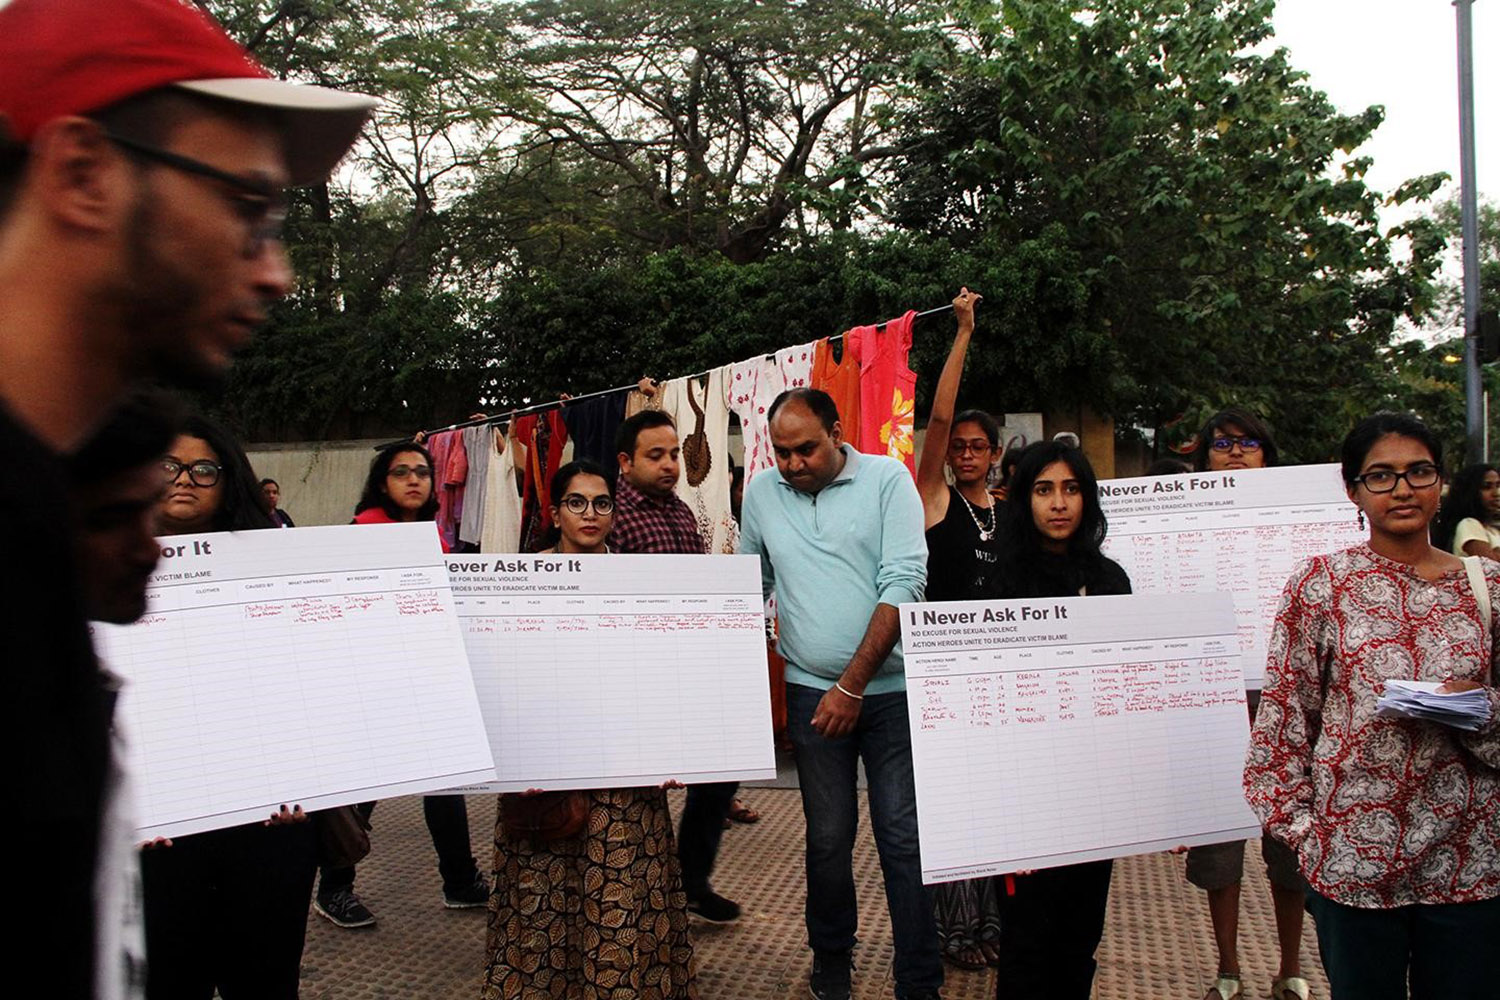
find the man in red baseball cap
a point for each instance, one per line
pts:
(143, 161)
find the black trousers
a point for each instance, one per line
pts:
(227, 910)
(448, 821)
(1050, 926)
(700, 831)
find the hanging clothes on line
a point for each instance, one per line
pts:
(753, 385)
(446, 469)
(839, 377)
(544, 435)
(477, 449)
(796, 365)
(501, 530)
(887, 390)
(592, 425)
(701, 412)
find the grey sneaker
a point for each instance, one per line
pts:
(342, 908)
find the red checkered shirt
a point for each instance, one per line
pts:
(647, 525)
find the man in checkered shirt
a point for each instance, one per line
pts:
(650, 517)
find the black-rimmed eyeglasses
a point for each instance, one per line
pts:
(1418, 477)
(259, 205)
(577, 503)
(204, 474)
(1227, 443)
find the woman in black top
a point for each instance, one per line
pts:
(1051, 530)
(962, 547)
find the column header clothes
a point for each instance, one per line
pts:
(831, 557)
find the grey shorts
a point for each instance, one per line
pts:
(1219, 866)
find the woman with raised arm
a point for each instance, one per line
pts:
(962, 548)
(588, 898)
(1396, 820)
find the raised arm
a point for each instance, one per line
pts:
(930, 483)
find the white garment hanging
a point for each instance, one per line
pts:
(752, 386)
(501, 529)
(795, 365)
(702, 415)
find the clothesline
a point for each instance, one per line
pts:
(559, 403)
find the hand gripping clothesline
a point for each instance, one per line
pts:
(554, 404)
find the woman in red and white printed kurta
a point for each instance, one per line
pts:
(1385, 814)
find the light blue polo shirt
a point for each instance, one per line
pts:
(831, 557)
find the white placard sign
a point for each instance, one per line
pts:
(320, 666)
(1243, 531)
(1052, 731)
(614, 671)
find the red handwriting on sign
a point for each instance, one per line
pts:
(418, 602)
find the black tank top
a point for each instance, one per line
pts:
(959, 562)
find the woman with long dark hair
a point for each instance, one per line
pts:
(1052, 528)
(399, 490)
(1231, 439)
(1396, 820)
(1468, 523)
(226, 909)
(597, 910)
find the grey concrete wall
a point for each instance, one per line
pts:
(320, 482)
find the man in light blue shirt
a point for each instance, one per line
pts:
(839, 535)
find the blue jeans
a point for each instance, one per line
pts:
(826, 770)
(1447, 949)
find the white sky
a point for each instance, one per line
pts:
(1402, 54)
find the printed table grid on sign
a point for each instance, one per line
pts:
(620, 671)
(321, 687)
(1033, 750)
(1243, 533)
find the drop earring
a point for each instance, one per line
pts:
(1361, 520)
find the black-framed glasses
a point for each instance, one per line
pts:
(203, 473)
(1227, 443)
(958, 448)
(1418, 477)
(577, 503)
(259, 205)
(402, 471)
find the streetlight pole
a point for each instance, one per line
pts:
(1473, 393)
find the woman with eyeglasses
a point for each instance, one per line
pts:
(962, 547)
(1396, 820)
(600, 912)
(226, 909)
(1237, 439)
(399, 489)
(1052, 528)
(1468, 524)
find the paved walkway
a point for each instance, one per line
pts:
(1156, 943)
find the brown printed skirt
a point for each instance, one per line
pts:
(600, 916)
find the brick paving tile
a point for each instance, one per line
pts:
(1157, 941)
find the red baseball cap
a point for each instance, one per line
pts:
(74, 57)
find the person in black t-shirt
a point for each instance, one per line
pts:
(143, 155)
(962, 547)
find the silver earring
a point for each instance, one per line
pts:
(1361, 520)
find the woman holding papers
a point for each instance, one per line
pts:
(226, 909)
(1395, 818)
(1469, 522)
(399, 489)
(1237, 439)
(600, 912)
(963, 546)
(1051, 530)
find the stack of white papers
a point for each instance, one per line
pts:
(1421, 700)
